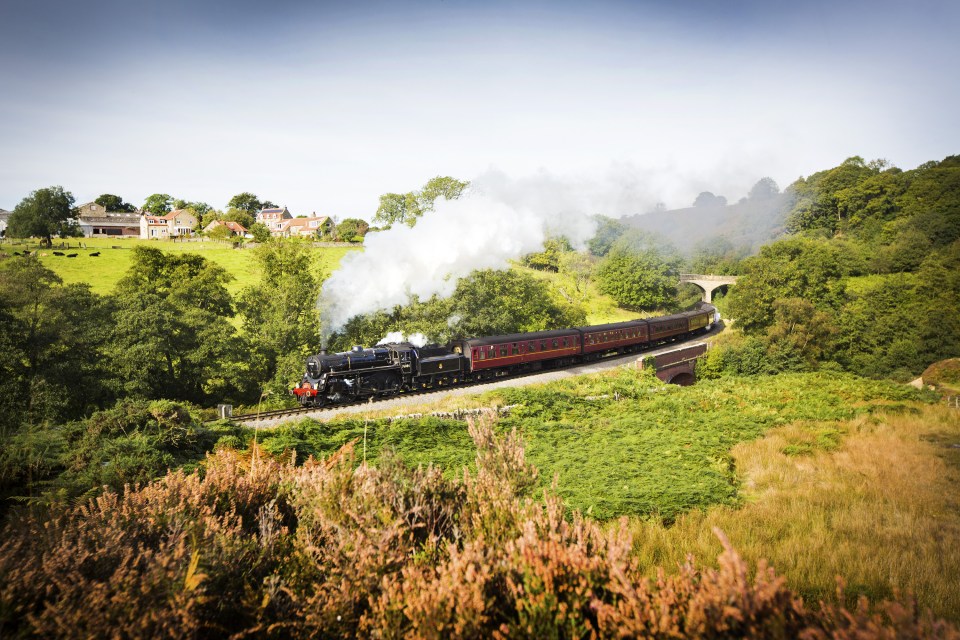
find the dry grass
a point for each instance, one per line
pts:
(882, 509)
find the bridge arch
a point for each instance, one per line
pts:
(683, 379)
(708, 283)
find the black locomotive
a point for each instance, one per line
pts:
(397, 367)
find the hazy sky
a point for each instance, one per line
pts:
(324, 106)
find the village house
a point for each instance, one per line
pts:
(273, 219)
(236, 229)
(95, 221)
(305, 227)
(177, 223)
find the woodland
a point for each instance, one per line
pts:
(126, 508)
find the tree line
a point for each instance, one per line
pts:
(50, 211)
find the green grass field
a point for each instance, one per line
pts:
(102, 272)
(825, 475)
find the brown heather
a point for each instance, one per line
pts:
(256, 546)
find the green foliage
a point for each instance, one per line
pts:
(260, 233)
(608, 231)
(486, 302)
(805, 268)
(52, 349)
(242, 216)
(280, 319)
(158, 203)
(172, 335)
(255, 546)
(248, 203)
(407, 207)
(111, 202)
(638, 273)
(43, 214)
(351, 228)
(549, 259)
(717, 256)
(817, 198)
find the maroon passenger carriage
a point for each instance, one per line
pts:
(501, 355)
(398, 367)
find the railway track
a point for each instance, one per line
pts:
(267, 419)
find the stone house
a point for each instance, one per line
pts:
(236, 229)
(305, 227)
(273, 219)
(95, 221)
(177, 223)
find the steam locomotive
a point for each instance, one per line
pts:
(394, 368)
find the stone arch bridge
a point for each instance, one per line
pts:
(708, 283)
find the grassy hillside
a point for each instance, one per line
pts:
(822, 474)
(102, 272)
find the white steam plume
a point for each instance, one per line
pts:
(498, 219)
(416, 339)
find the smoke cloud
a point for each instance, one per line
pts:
(496, 220)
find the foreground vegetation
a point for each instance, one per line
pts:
(257, 546)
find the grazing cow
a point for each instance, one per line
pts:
(71, 255)
(94, 254)
(58, 253)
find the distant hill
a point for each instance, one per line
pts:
(749, 223)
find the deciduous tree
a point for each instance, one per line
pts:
(43, 214)
(172, 337)
(638, 273)
(158, 204)
(111, 202)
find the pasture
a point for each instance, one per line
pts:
(104, 271)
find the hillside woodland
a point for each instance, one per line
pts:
(124, 510)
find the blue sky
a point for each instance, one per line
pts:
(324, 106)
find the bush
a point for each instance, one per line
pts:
(256, 546)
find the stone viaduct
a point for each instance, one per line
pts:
(708, 283)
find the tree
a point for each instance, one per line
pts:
(249, 202)
(53, 364)
(764, 189)
(440, 186)
(241, 216)
(158, 204)
(398, 207)
(351, 229)
(493, 302)
(280, 317)
(810, 269)
(549, 258)
(111, 202)
(407, 207)
(638, 273)
(44, 213)
(172, 334)
(608, 231)
(260, 232)
(707, 200)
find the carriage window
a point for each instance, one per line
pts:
(531, 347)
(543, 345)
(554, 343)
(514, 350)
(503, 350)
(483, 354)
